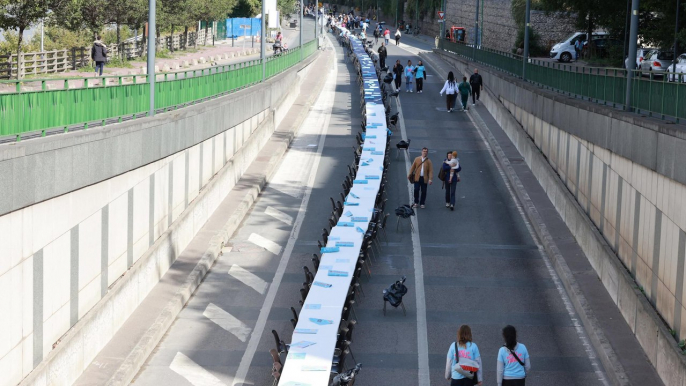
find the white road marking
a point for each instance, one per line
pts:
(227, 321)
(265, 243)
(193, 372)
(422, 333)
(318, 118)
(248, 278)
(279, 215)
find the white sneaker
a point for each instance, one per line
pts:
(447, 204)
(473, 104)
(410, 90)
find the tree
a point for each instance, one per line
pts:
(211, 10)
(19, 15)
(247, 8)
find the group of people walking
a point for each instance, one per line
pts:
(451, 89)
(513, 363)
(421, 176)
(411, 74)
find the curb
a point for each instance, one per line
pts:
(607, 355)
(140, 353)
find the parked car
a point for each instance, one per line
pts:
(680, 73)
(657, 62)
(564, 51)
(640, 54)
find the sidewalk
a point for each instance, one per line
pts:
(121, 359)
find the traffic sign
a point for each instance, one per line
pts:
(441, 14)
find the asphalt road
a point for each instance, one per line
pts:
(478, 265)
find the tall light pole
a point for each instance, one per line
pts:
(263, 33)
(527, 23)
(397, 4)
(301, 30)
(633, 40)
(476, 30)
(151, 55)
(676, 32)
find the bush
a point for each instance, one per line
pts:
(535, 47)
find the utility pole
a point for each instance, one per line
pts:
(676, 32)
(263, 33)
(443, 7)
(42, 34)
(416, 24)
(633, 40)
(301, 30)
(527, 23)
(151, 54)
(397, 4)
(476, 30)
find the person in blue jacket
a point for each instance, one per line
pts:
(463, 348)
(513, 360)
(419, 76)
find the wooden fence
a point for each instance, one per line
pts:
(137, 48)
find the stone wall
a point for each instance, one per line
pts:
(499, 27)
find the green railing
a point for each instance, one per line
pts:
(31, 106)
(652, 95)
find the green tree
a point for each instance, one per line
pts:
(19, 15)
(247, 8)
(211, 10)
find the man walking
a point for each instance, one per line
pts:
(421, 174)
(465, 89)
(99, 55)
(382, 55)
(578, 46)
(477, 84)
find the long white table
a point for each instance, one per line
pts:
(312, 347)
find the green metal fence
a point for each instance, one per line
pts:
(652, 95)
(32, 106)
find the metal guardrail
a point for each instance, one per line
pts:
(652, 93)
(117, 98)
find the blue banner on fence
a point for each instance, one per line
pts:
(243, 26)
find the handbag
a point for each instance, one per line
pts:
(411, 176)
(463, 372)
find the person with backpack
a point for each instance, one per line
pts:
(409, 74)
(477, 84)
(466, 352)
(465, 89)
(376, 36)
(398, 74)
(450, 175)
(450, 88)
(513, 360)
(420, 76)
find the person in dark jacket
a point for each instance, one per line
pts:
(398, 74)
(99, 55)
(477, 84)
(382, 55)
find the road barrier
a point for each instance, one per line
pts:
(653, 95)
(34, 109)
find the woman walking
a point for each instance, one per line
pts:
(450, 87)
(419, 76)
(398, 74)
(461, 350)
(513, 360)
(409, 74)
(465, 90)
(397, 37)
(451, 169)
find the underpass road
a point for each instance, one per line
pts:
(480, 264)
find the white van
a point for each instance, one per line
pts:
(564, 51)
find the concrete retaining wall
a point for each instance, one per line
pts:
(82, 239)
(630, 211)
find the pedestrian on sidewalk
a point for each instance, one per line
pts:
(465, 89)
(421, 174)
(383, 53)
(450, 88)
(513, 360)
(578, 46)
(420, 76)
(461, 350)
(451, 176)
(398, 74)
(397, 37)
(387, 36)
(99, 55)
(409, 74)
(477, 84)
(376, 36)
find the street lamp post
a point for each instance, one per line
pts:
(633, 41)
(301, 30)
(263, 33)
(527, 23)
(397, 5)
(151, 55)
(676, 32)
(476, 30)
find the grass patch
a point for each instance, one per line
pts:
(88, 68)
(118, 63)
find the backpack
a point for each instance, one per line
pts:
(441, 174)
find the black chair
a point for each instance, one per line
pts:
(295, 314)
(394, 295)
(281, 347)
(402, 145)
(303, 294)
(277, 366)
(382, 227)
(309, 277)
